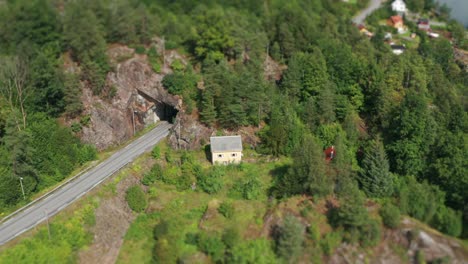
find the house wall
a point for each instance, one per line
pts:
(226, 157)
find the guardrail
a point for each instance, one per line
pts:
(93, 165)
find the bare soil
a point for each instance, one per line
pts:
(113, 218)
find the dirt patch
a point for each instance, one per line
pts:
(113, 218)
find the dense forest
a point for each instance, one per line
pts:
(398, 123)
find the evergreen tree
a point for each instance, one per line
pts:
(72, 95)
(207, 111)
(375, 177)
(290, 238)
(309, 167)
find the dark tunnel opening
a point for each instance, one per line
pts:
(165, 112)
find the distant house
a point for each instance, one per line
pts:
(397, 49)
(226, 149)
(396, 22)
(365, 32)
(399, 7)
(329, 153)
(423, 24)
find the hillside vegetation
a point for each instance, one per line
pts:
(398, 123)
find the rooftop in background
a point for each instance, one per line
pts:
(226, 143)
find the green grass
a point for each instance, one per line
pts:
(194, 211)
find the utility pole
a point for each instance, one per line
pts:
(47, 221)
(22, 187)
(163, 52)
(178, 128)
(133, 120)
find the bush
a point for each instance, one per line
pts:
(140, 49)
(87, 153)
(390, 215)
(447, 221)
(252, 188)
(76, 127)
(136, 199)
(330, 242)
(211, 182)
(370, 234)
(155, 65)
(211, 245)
(231, 237)
(226, 209)
(154, 174)
(156, 152)
(177, 65)
(184, 182)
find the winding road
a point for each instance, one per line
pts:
(60, 198)
(361, 16)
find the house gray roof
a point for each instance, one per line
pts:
(226, 143)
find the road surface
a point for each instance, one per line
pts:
(361, 16)
(62, 197)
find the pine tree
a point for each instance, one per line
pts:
(290, 239)
(309, 165)
(375, 177)
(208, 112)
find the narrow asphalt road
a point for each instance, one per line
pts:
(361, 16)
(62, 197)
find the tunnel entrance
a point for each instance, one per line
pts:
(164, 112)
(156, 110)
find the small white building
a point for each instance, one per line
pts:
(400, 7)
(226, 149)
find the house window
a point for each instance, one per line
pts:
(220, 155)
(234, 155)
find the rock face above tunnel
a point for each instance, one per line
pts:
(112, 120)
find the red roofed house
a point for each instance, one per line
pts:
(423, 24)
(329, 153)
(396, 22)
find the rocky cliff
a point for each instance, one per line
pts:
(138, 100)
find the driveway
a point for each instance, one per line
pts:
(361, 16)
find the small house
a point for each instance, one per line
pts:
(399, 7)
(396, 22)
(423, 24)
(226, 149)
(397, 49)
(363, 30)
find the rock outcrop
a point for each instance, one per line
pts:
(138, 95)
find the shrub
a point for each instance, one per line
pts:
(140, 49)
(370, 234)
(448, 221)
(154, 174)
(87, 153)
(330, 242)
(156, 152)
(231, 237)
(136, 198)
(155, 65)
(177, 65)
(184, 181)
(211, 245)
(168, 156)
(390, 215)
(211, 182)
(252, 188)
(252, 251)
(85, 120)
(76, 127)
(226, 209)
